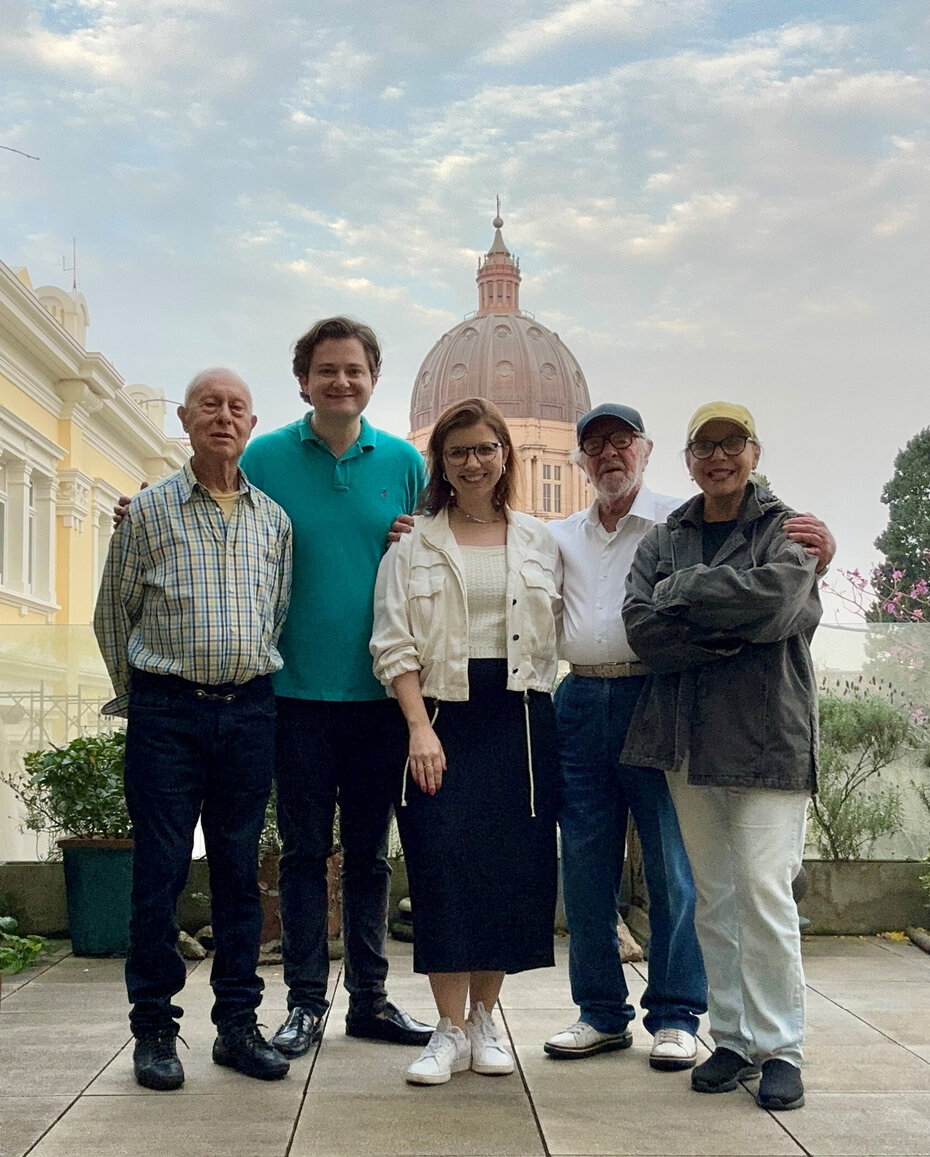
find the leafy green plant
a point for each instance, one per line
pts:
(18, 952)
(861, 733)
(76, 790)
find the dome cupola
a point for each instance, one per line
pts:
(500, 352)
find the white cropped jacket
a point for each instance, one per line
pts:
(421, 612)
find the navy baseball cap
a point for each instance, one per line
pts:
(626, 414)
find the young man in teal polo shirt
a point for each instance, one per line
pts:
(338, 738)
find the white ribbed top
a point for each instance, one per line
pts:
(486, 587)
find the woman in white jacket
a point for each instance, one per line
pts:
(467, 613)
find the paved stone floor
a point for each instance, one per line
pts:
(66, 1086)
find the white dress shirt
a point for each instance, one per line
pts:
(595, 565)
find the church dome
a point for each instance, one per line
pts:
(502, 353)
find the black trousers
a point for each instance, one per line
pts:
(351, 754)
(196, 752)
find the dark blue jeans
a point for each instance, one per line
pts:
(598, 793)
(351, 754)
(196, 752)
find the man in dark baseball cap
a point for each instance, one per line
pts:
(594, 705)
(626, 414)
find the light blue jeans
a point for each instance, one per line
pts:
(598, 792)
(745, 846)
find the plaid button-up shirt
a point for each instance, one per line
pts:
(184, 592)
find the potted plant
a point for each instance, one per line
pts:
(74, 794)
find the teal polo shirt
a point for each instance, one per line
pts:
(341, 510)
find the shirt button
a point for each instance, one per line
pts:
(516, 637)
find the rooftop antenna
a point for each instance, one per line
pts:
(72, 268)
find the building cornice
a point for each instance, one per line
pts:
(21, 439)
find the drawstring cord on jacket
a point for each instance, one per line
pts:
(529, 753)
(403, 794)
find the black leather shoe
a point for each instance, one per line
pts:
(243, 1048)
(302, 1029)
(389, 1023)
(155, 1059)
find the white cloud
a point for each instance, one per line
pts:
(590, 20)
(695, 211)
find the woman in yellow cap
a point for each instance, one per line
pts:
(722, 606)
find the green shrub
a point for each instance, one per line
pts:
(860, 735)
(76, 790)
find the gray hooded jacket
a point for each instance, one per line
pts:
(733, 684)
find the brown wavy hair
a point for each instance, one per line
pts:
(338, 328)
(439, 493)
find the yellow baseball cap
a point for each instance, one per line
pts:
(721, 412)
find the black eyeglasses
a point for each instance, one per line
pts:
(732, 446)
(621, 439)
(484, 452)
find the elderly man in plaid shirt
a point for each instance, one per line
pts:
(193, 597)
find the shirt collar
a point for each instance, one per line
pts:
(643, 508)
(187, 482)
(367, 438)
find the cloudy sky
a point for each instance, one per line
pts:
(709, 198)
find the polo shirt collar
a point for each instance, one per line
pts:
(367, 438)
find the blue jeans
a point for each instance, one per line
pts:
(350, 753)
(598, 793)
(192, 753)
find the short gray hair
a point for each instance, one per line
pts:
(209, 375)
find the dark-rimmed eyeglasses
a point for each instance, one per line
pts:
(484, 452)
(732, 446)
(620, 439)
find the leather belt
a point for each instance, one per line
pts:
(610, 670)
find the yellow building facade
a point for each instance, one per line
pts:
(73, 437)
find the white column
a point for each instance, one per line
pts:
(18, 474)
(43, 586)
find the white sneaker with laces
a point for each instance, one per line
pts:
(447, 1052)
(488, 1054)
(583, 1040)
(673, 1049)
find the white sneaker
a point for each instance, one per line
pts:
(448, 1052)
(583, 1040)
(673, 1049)
(488, 1054)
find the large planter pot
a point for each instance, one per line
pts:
(98, 885)
(862, 897)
